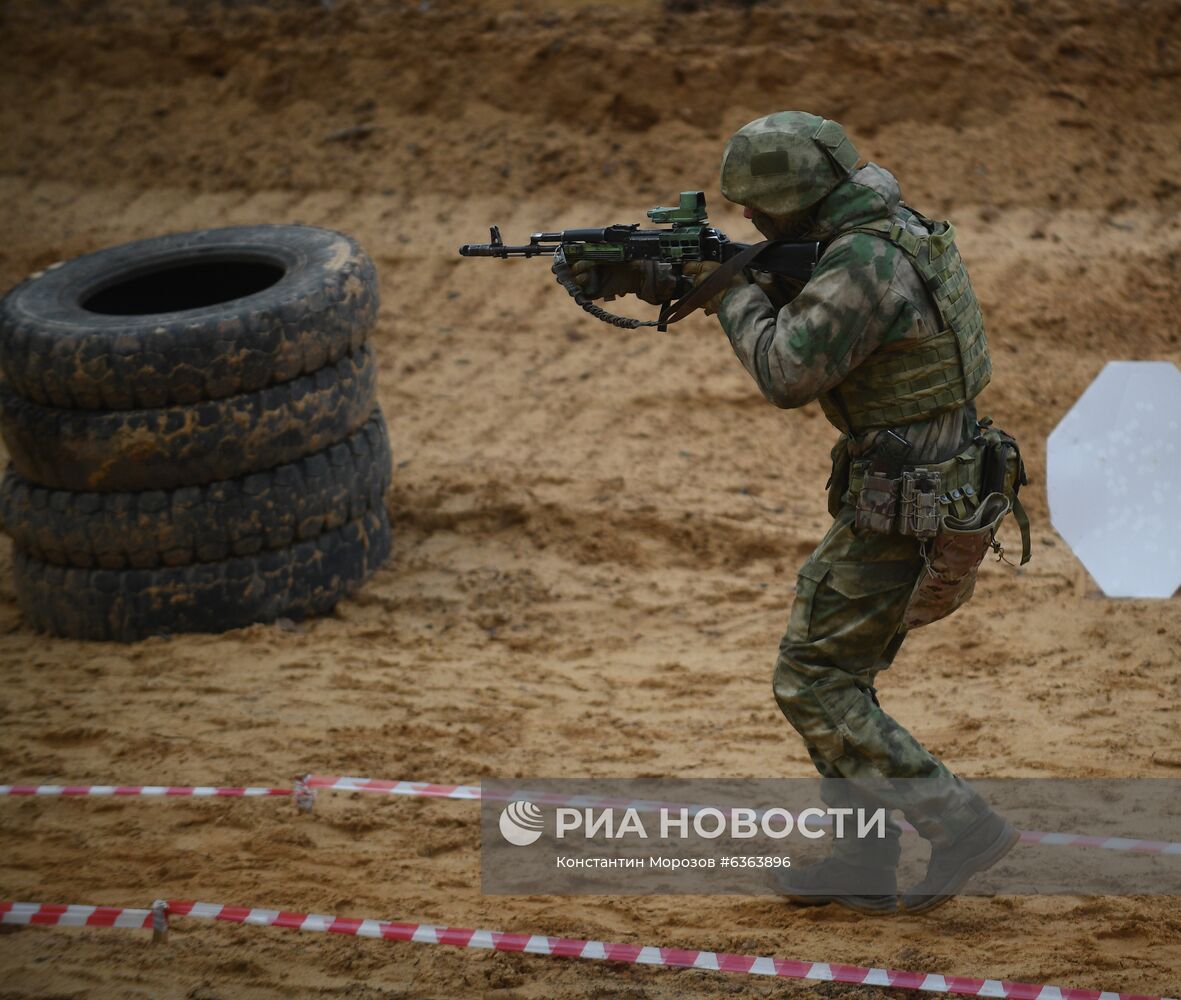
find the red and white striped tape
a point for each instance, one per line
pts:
(307, 787)
(181, 791)
(1128, 844)
(336, 783)
(538, 944)
(60, 915)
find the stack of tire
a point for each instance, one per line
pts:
(193, 430)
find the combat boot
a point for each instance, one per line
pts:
(871, 888)
(861, 872)
(979, 847)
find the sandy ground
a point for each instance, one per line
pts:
(596, 530)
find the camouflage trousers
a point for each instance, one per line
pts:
(845, 628)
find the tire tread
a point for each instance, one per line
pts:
(261, 511)
(299, 581)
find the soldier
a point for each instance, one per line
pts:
(888, 337)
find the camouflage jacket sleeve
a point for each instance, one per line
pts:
(839, 318)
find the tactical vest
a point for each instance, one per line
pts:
(892, 388)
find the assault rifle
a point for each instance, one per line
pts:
(687, 238)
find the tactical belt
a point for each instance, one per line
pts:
(959, 480)
(915, 499)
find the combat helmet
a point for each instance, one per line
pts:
(786, 162)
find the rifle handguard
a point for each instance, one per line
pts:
(670, 312)
(565, 278)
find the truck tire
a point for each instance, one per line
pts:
(179, 319)
(235, 517)
(304, 579)
(133, 450)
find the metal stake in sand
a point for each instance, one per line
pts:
(159, 921)
(305, 794)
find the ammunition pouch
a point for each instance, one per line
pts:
(877, 504)
(919, 512)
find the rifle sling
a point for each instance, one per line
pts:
(718, 281)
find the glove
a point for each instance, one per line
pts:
(777, 287)
(700, 270)
(650, 280)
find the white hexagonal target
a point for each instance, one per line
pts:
(1113, 469)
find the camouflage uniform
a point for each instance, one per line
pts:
(846, 623)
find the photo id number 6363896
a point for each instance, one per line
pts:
(757, 861)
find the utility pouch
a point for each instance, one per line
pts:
(999, 467)
(877, 504)
(952, 560)
(919, 516)
(1004, 472)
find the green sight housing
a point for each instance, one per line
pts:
(690, 212)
